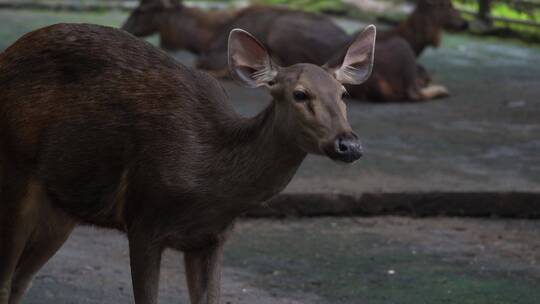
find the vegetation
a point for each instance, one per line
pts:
(326, 6)
(510, 10)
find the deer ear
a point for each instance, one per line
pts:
(249, 61)
(355, 67)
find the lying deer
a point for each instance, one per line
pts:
(102, 128)
(182, 27)
(293, 37)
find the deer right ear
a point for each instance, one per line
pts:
(249, 61)
(356, 65)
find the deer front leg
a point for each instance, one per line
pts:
(203, 272)
(145, 260)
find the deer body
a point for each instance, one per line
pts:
(294, 37)
(289, 34)
(179, 27)
(102, 128)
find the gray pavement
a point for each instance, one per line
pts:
(323, 261)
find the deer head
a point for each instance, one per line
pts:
(308, 99)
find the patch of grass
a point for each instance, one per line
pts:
(326, 6)
(508, 11)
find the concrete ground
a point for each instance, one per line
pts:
(323, 261)
(485, 137)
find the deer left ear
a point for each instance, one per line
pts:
(249, 61)
(356, 66)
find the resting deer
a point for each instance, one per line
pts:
(294, 36)
(102, 128)
(182, 27)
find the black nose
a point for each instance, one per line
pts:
(347, 148)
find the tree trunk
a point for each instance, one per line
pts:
(484, 11)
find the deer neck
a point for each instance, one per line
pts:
(419, 31)
(258, 159)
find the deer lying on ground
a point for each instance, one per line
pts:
(292, 37)
(102, 128)
(182, 27)
(295, 36)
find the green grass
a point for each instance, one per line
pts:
(329, 6)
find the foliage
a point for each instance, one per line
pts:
(327, 6)
(509, 10)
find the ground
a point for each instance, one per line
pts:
(486, 136)
(377, 260)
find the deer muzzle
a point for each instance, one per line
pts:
(346, 148)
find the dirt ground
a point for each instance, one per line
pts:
(324, 260)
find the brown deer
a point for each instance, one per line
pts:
(102, 128)
(424, 26)
(294, 36)
(179, 27)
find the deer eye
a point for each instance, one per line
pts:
(300, 96)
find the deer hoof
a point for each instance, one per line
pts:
(434, 91)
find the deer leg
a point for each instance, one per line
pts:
(203, 272)
(48, 237)
(427, 93)
(17, 220)
(145, 260)
(434, 91)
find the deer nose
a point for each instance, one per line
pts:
(347, 148)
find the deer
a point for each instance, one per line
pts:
(179, 26)
(424, 26)
(102, 128)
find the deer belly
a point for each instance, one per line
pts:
(81, 166)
